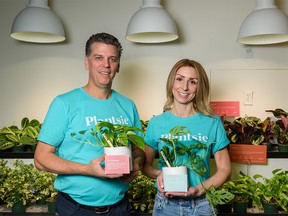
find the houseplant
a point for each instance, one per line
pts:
(280, 129)
(16, 189)
(42, 185)
(243, 187)
(172, 155)
(141, 194)
(273, 190)
(249, 130)
(18, 138)
(114, 138)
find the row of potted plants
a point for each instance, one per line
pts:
(22, 138)
(22, 185)
(258, 191)
(252, 130)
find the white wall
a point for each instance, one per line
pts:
(31, 75)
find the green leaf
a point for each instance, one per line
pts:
(24, 122)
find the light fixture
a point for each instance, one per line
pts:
(265, 25)
(151, 24)
(37, 23)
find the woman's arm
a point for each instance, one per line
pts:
(222, 174)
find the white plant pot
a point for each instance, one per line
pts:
(118, 151)
(175, 179)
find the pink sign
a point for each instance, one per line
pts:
(226, 108)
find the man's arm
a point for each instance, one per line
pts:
(45, 159)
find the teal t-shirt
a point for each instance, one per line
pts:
(75, 111)
(203, 128)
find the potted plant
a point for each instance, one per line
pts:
(243, 187)
(42, 185)
(4, 172)
(16, 189)
(141, 195)
(17, 138)
(115, 138)
(172, 156)
(280, 129)
(273, 190)
(249, 130)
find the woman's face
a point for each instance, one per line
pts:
(185, 85)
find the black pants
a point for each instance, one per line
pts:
(67, 208)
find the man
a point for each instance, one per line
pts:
(84, 188)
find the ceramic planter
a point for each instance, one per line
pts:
(175, 179)
(118, 160)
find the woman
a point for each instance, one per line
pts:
(187, 105)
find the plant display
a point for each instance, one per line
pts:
(172, 155)
(111, 135)
(274, 189)
(280, 127)
(142, 193)
(24, 184)
(14, 136)
(249, 130)
(16, 188)
(243, 187)
(43, 185)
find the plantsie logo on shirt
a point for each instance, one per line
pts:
(93, 120)
(187, 137)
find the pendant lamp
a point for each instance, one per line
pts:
(37, 23)
(151, 24)
(265, 25)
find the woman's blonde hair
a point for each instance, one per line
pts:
(201, 101)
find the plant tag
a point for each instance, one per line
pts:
(117, 164)
(175, 182)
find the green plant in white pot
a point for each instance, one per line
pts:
(115, 138)
(172, 156)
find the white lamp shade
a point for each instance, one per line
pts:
(151, 24)
(37, 24)
(265, 25)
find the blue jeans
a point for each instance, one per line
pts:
(66, 208)
(198, 206)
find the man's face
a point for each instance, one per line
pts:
(102, 64)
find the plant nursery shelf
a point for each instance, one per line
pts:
(31, 154)
(16, 155)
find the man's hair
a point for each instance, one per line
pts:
(103, 38)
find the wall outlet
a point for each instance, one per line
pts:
(248, 52)
(248, 98)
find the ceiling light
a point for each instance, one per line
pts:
(37, 23)
(265, 25)
(151, 24)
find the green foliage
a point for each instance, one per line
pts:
(14, 136)
(249, 130)
(16, 187)
(24, 184)
(106, 133)
(142, 193)
(243, 187)
(274, 189)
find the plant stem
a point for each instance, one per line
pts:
(108, 141)
(165, 159)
